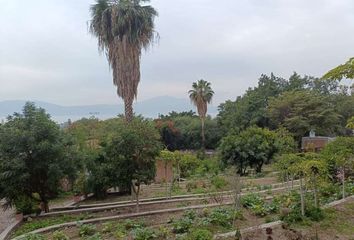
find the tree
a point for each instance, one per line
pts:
(253, 147)
(201, 95)
(339, 155)
(314, 169)
(34, 156)
(301, 111)
(345, 70)
(123, 29)
(132, 153)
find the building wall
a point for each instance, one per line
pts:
(163, 173)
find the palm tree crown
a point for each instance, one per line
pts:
(123, 28)
(201, 95)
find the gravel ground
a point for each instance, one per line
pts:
(6, 218)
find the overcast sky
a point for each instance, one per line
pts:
(47, 54)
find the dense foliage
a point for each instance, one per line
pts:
(254, 147)
(34, 156)
(299, 104)
(181, 131)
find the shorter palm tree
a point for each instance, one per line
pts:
(201, 95)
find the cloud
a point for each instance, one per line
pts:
(47, 54)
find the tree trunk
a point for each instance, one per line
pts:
(343, 183)
(302, 198)
(315, 191)
(137, 198)
(45, 206)
(128, 108)
(166, 180)
(203, 133)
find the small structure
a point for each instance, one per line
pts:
(314, 143)
(164, 171)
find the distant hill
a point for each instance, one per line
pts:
(148, 108)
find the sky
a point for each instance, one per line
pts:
(47, 54)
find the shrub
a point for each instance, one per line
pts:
(87, 230)
(200, 234)
(251, 199)
(26, 205)
(191, 214)
(130, 224)
(182, 225)
(221, 216)
(218, 182)
(59, 235)
(314, 214)
(144, 234)
(293, 216)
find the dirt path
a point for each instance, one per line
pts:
(6, 218)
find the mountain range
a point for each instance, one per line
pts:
(149, 108)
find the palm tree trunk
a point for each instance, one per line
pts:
(128, 108)
(203, 132)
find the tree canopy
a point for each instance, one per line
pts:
(123, 28)
(253, 147)
(34, 156)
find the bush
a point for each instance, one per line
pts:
(130, 224)
(218, 182)
(293, 216)
(59, 235)
(251, 199)
(314, 214)
(221, 216)
(182, 225)
(257, 205)
(26, 205)
(87, 230)
(144, 234)
(200, 234)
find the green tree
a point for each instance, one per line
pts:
(132, 153)
(345, 70)
(253, 147)
(34, 156)
(123, 29)
(201, 95)
(301, 111)
(339, 155)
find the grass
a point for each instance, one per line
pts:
(30, 226)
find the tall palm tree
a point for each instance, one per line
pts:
(201, 95)
(123, 28)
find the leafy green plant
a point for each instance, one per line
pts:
(87, 230)
(221, 216)
(96, 236)
(131, 224)
(144, 234)
(26, 205)
(33, 237)
(59, 235)
(218, 182)
(200, 234)
(182, 225)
